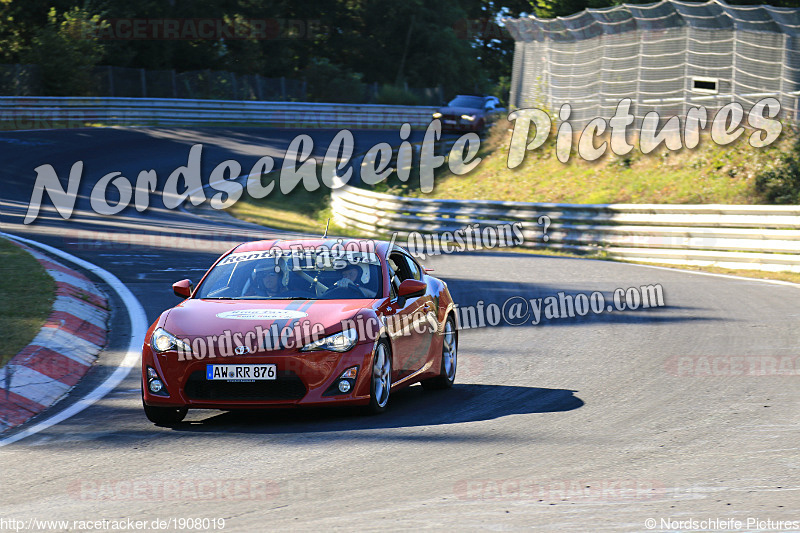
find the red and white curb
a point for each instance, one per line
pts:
(62, 352)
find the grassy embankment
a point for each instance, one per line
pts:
(26, 297)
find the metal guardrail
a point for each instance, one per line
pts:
(730, 236)
(66, 112)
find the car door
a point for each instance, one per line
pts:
(407, 319)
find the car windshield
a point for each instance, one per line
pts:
(294, 275)
(472, 102)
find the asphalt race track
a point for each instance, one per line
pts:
(574, 424)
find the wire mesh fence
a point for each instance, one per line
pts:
(25, 80)
(19, 80)
(667, 57)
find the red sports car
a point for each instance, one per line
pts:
(303, 322)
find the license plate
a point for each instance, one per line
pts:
(241, 372)
(450, 122)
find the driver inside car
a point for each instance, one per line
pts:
(266, 282)
(350, 279)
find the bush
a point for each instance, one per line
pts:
(502, 89)
(394, 95)
(781, 184)
(328, 82)
(66, 51)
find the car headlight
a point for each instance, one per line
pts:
(437, 115)
(339, 342)
(164, 341)
(468, 117)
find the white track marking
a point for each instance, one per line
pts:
(714, 274)
(138, 329)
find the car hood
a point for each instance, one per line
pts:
(200, 318)
(460, 111)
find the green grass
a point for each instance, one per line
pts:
(707, 174)
(26, 298)
(299, 210)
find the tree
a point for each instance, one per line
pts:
(66, 50)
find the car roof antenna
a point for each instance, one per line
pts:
(325, 235)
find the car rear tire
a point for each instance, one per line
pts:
(164, 416)
(380, 378)
(447, 370)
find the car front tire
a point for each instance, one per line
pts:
(381, 378)
(164, 416)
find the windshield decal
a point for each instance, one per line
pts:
(262, 314)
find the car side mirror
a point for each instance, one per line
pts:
(182, 288)
(411, 287)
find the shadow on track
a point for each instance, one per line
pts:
(410, 407)
(469, 293)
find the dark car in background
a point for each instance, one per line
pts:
(470, 113)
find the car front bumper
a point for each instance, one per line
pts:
(302, 378)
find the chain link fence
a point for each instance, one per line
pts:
(666, 57)
(25, 80)
(19, 80)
